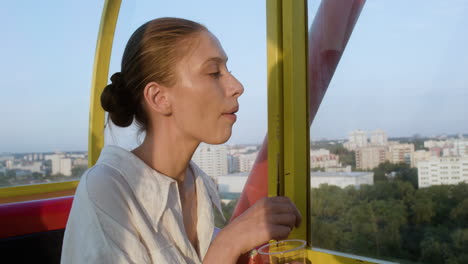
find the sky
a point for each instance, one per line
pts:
(404, 70)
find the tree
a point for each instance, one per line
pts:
(317, 169)
(228, 209)
(405, 191)
(36, 176)
(422, 210)
(435, 247)
(459, 214)
(380, 173)
(434, 251)
(392, 219)
(460, 240)
(77, 171)
(407, 174)
(444, 202)
(346, 157)
(4, 181)
(329, 206)
(10, 174)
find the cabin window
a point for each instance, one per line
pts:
(401, 82)
(47, 52)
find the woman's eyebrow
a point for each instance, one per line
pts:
(219, 60)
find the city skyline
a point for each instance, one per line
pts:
(344, 138)
(402, 70)
(363, 150)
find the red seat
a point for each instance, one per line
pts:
(32, 232)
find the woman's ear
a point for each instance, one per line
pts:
(157, 98)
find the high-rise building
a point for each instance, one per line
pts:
(55, 159)
(461, 147)
(400, 153)
(418, 156)
(356, 139)
(378, 138)
(32, 166)
(370, 157)
(212, 159)
(246, 161)
(449, 147)
(233, 163)
(79, 162)
(60, 164)
(65, 167)
(9, 164)
(442, 170)
(435, 144)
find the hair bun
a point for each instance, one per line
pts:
(116, 100)
(118, 80)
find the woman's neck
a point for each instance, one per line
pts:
(169, 153)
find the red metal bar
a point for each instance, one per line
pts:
(34, 216)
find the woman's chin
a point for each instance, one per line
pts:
(221, 138)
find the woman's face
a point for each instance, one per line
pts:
(204, 98)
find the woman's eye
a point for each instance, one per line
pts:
(216, 74)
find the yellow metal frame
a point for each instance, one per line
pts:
(296, 119)
(288, 136)
(105, 39)
(325, 258)
(275, 97)
(37, 189)
(100, 77)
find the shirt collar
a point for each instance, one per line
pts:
(210, 186)
(150, 186)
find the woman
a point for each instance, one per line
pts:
(153, 205)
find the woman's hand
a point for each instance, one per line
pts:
(269, 218)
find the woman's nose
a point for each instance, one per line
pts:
(236, 87)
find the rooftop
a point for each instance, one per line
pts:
(340, 174)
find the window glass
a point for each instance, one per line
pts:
(240, 27)
(390, 139)
(47, 52)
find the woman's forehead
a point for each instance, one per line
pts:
(206, 49)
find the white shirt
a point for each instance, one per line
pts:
(126, 212)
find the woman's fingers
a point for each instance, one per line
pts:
(269, 218)
(280, 199)
(285, 219)
(298, 217)
(283, 205)
(279, 232)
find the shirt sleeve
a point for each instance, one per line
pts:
(100, 227)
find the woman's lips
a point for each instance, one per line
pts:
(232, 117)
(231, 114)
